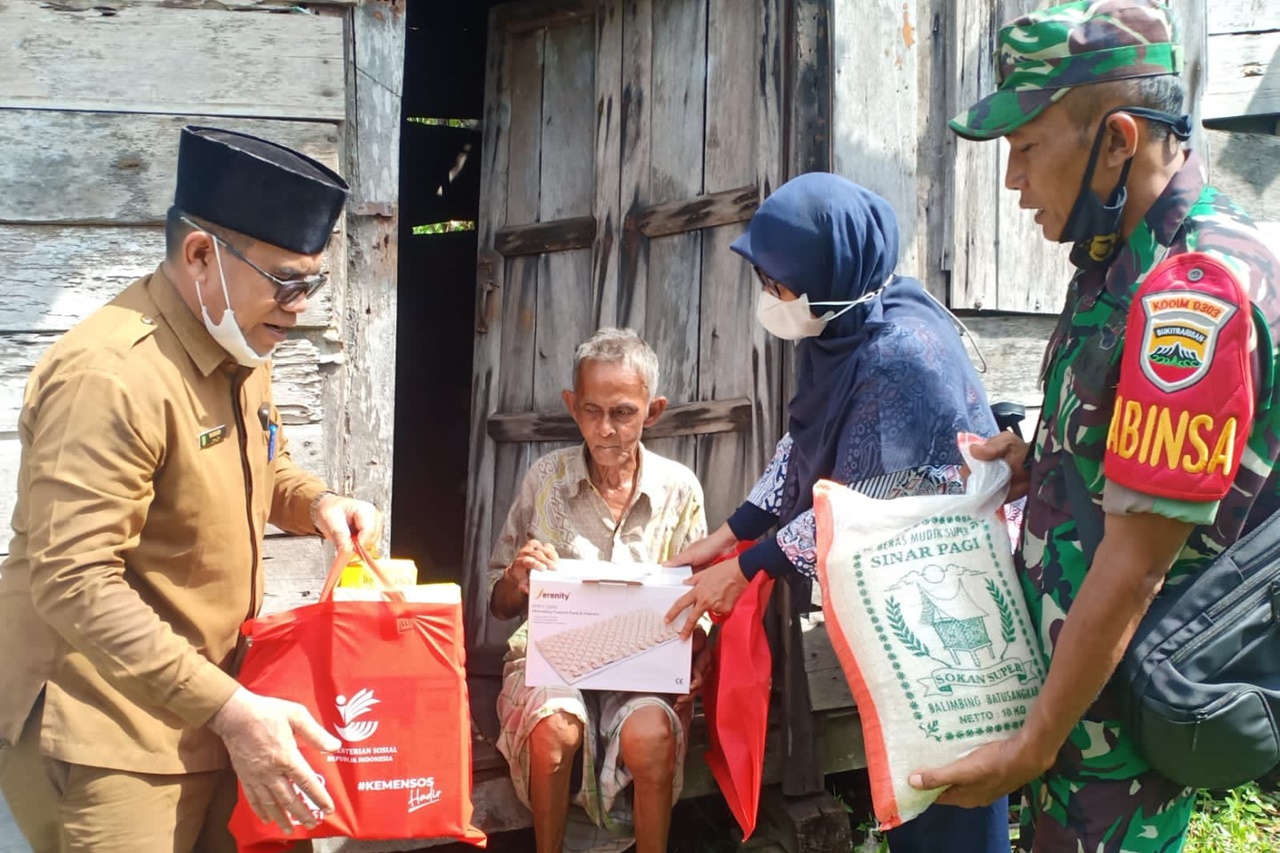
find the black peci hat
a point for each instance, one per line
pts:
(258, 188)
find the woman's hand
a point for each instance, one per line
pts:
(715, 590)
(706, 550)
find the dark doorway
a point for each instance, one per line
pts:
(440, 133)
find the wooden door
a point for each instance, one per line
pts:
(625, 144)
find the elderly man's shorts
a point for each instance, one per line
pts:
(605, 778)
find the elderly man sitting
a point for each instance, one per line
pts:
(608, 499)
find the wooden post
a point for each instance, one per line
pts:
(375, 73)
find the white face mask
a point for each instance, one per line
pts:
(793, 321)
(228, 333)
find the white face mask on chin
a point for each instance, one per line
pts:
(793, 321)
(228, 333)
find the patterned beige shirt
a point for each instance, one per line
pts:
(558, 505)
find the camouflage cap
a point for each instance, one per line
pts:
(1043, 54)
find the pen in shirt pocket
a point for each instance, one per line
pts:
(264, 417)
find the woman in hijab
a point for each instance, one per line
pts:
(883, 384)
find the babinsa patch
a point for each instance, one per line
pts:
(1184, 402)
(1180, 334)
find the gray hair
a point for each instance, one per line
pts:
(619, 346)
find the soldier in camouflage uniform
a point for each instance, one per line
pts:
(1169, 323)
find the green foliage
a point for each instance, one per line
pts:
(1242, 820)
(468, 123)
(904, 634)
(446, 227)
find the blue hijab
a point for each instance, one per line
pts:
(888, 383)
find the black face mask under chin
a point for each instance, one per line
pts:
(1094, 225)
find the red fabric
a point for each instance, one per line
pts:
(1184, 404)
(738, 680)
(387, 677)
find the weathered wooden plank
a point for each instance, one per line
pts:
(295, 569)
(774, 157)
(372, 149)
(490, 320)
(828, 687)
(269, 6)
(566, 313)
(677, 127)
(1244, 75)
(933, 208)
(730, 342)
(1246, 166)
(526, 54)
(1191, 17)
(606, 252)
(705, 211)
(976, 174)
(532, 15)
(136, 51)
(54, 276)
(637, 152)
(881, 155)
(701, 418)
(95, 167)
(559, 235)
(1243, 16)
(296, 377)
(1032, 272)
(1013, 346)
(810, 88)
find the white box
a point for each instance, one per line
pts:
(600, 626)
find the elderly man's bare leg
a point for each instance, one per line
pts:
(553, 747)
(649, 752)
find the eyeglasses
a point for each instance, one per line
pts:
(769, 284)
(287, 292)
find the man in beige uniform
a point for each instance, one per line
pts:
(152, 461)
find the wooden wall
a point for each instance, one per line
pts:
(90, 140)
(626, 143)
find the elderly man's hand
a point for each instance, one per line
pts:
(715, 590)
(1013, 451)
(339, 519)
(261, 735)
(534, 555)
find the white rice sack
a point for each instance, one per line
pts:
(930, 626)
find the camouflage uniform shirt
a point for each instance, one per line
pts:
(1080, 375)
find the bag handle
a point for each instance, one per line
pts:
(340, 561)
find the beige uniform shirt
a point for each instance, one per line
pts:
(144, 488)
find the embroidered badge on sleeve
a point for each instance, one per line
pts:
(1184, 405)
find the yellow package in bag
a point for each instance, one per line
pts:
(401, 573)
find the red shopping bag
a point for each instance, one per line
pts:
(738, 680)
(386, 677)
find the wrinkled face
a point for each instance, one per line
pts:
(263, 320)
(1047, 158)
(611, 406)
